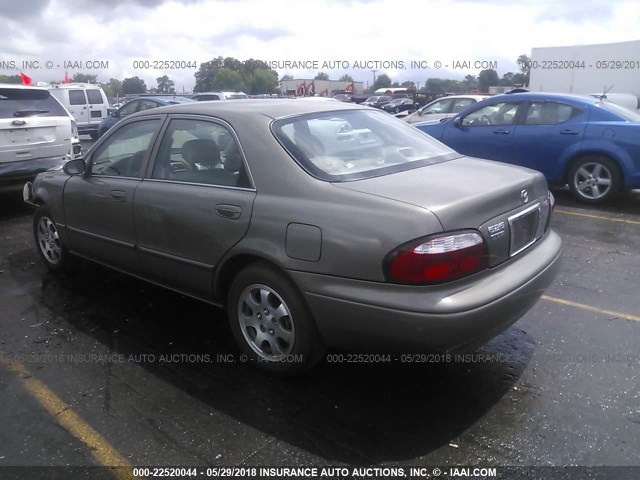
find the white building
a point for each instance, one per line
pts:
(587, 69)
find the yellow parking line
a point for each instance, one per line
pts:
(100, 448)
(597, 217)
(611, 313)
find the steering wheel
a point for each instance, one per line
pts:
(485, 120)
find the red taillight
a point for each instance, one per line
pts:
(437, 259)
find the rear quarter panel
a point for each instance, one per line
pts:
(621, 142)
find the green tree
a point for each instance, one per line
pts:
(488, 78)
(84, 78)
(345, 78)
(133, 85)
(470, 83)
(10, 79)
(227, 79)
(208, 72)
(165, 85)
(382, 81)
(507, 79)
(286, 77)
(321, 76)
(262, 81)
(524, 63)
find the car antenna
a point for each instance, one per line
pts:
(606, 90)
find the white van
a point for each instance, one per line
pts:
(87, 103)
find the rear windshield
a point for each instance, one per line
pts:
(625, 113)
(23, 102)
(355, 144)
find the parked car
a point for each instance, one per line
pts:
(138, 105)
(376, 101)
(590, 144)
(399, 105)
(343, 97)
(87, 103)
(443, 108)
(370, 235)
(207, 96)
(36, 133)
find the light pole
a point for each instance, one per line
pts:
(374, 76)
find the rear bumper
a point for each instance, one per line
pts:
(20, 171)
(374, 316)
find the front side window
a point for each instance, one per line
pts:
(76, 97)
(129, 108)
(441, 106)
(147, 105)
(123, 153)
(198, 151)
(461, 103)
(503, 113)
(355, 144)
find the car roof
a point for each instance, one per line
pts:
(583, 99)
(25, 87)
(474, 96)
(272, 108)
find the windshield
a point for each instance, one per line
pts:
(355, 144)
(236, 96)
(397, 101)
(23, 102)
(625, 113)
(371, 99)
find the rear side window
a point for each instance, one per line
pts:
(23, 102)
(549, 113)
(95, 97)
(76, 97)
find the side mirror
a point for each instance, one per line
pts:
(115, 114)
(74, 167)
(457, 122)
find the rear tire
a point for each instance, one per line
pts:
(52, 251)
(94, 135)
(594, 179)
(271, 322)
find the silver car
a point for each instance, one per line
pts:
(443, 108)
(313, 223)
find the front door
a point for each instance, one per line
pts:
(99, 204)
(484, 133)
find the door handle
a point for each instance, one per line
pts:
(501, 132)
(568, 132)
(231, 212)
(118, 195)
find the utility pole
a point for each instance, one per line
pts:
(374, 76)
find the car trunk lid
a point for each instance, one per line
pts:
(470, 193)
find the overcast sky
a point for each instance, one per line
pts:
(121, 31)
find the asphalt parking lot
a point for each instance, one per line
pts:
(99, 368)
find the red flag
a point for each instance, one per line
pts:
(66, 78)
(26, 80)
(349, 88)
(311, 88)
(301, 90)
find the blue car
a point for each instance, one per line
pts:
(138, 105)
(589, 144)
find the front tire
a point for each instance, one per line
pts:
(594, 179)
(53, 252)
(94, 135)
(271, 322)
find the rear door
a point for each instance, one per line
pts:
(194, 205)
(97, 106)
(32, 125)
(548, 129)
(99, 204)
(78, 106)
